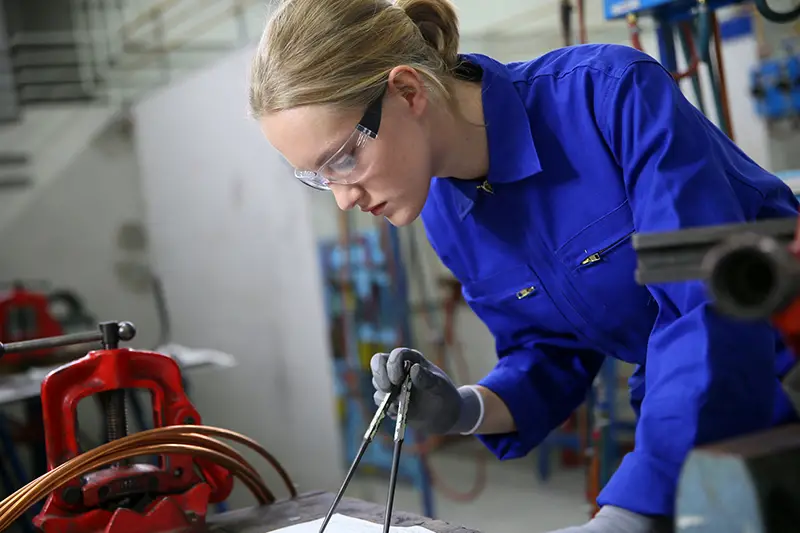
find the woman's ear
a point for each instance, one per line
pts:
(407, 83)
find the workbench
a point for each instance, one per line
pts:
(312, 506)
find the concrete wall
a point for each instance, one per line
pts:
(68, 234)
(233, 242)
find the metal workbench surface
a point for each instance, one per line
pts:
(311, 506)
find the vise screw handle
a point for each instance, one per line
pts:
(109, 334)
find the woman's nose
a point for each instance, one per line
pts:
(346, 196)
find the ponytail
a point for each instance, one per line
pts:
(438, 23)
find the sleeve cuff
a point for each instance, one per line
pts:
(473, 409)
(642, 484)
(526, 409)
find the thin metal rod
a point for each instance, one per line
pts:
(110, 334)
(387, 518)
(353, 466)
(50, 342)
(399, 437)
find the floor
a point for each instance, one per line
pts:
(514, 499)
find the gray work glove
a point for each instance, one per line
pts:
(612, 519)
(436, 405)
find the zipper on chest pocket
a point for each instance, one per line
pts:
(598, 255)
(527, 291)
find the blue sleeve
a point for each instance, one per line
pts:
(541, 383)
(706, 377)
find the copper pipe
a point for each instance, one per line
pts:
(761, 40)
(63, 475)
(633, 28)
(723, 87)
(44, 485)
(157, 436)
(211, 431)
(246, 441)
(583, 38)
(192, 440)
(694, 64)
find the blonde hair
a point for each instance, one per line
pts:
(341, 51)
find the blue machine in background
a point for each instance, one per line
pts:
(674, 10)
(366, 302)
(665, 10)
(775, 86)
(690, 26)
(775, 82)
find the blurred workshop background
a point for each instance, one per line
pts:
(134, 186)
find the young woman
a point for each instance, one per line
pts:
(543, 171)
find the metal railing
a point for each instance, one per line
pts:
(115, 54)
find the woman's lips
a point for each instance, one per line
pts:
(378, 209)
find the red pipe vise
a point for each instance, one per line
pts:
(170, 496)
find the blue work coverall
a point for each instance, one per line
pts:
(588, 145)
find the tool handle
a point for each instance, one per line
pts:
(397, 390)
(109, 333)
(402, 410)
(383, 408)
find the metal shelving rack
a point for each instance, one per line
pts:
(366, 302)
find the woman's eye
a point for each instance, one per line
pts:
(343, 164)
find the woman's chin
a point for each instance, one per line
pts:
(401, 217)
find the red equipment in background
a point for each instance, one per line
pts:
(124, 498)
(787, 320)
(24, 315)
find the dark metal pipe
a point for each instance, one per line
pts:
(752, 276)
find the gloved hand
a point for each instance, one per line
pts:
(436, 405)
(612, 519)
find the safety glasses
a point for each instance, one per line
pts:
(346, 165)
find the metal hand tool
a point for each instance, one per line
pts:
(403, 392)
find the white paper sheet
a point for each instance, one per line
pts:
(346, 524)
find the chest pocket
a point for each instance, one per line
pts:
(515, 306)
(600, 263)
